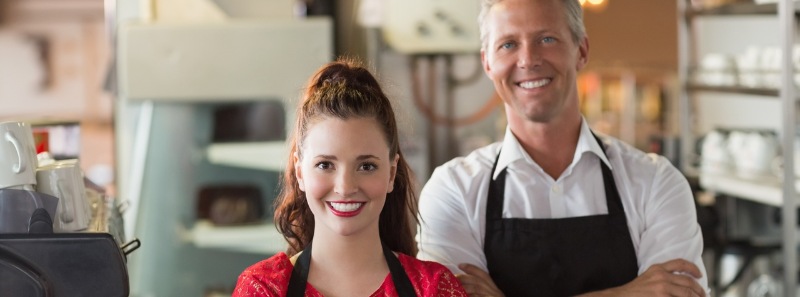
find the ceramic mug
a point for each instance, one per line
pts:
(778, 163)
(64, 179)
(714, 154)
(754, 154)
(17, 156)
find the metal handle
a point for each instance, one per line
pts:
(21, 164)
(131, 246)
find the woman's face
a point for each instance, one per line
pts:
(345, 171)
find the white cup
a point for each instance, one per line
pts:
(778, 163)
(64, 179)
(754, 155)
(17, 156)
(715, 157)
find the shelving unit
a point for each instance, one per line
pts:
(165, 114)
(781, 193)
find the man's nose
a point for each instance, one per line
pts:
(346, 184)
(529, 57)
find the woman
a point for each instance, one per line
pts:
(347, 189)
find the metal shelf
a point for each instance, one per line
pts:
(766, 190)
(261, 239)
(270, 155)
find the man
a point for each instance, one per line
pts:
(554, 210)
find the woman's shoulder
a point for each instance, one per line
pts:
(265, 278)
(430, 278)
(421, 266)
(278, 263)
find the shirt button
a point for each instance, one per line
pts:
(556, 189)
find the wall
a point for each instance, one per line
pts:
(633, 33)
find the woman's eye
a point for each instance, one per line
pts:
(367, 167)
(324, 165)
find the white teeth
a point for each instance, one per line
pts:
(345, 207)
(535, 83)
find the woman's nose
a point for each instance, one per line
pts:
(346, 184)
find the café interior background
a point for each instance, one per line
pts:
(159, 143)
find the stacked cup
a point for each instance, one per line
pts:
(17, 156)
(18, 201)
(64, 179)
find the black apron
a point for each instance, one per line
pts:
(299, 278)
(558, 257)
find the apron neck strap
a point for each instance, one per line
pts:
(401, 282)
(299, 279)
(494, 206)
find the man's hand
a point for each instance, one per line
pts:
(671, 278)
(477, 282)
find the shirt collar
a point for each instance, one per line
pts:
(512, 151)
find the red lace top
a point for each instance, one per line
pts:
(271, 278)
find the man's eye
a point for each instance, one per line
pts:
(548, 40)
(507, 45)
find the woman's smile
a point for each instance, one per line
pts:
(345, 208)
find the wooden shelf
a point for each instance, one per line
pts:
(767, 191)
(269, 155)
(261, 239)
(742, 8)
(735, 90)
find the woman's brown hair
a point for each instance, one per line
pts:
(344, 89)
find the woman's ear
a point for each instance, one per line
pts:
(393, 173)
(298, 171)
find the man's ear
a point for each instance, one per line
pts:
(298, 172)
(485, 63)
(583, 52)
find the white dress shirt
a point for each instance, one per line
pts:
(658, 202)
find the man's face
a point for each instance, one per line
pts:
(532, 59)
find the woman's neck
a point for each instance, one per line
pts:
(347, 265)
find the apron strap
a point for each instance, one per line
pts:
(613, 200)
(497, 190)
(299, 278)
(401, 282)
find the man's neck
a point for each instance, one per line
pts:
(552, 145)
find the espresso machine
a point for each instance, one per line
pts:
(84, 257)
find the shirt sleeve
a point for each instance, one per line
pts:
(670, 230)
(447, 232)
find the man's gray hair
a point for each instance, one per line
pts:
(572, 9)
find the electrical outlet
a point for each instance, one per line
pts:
(432, 26)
